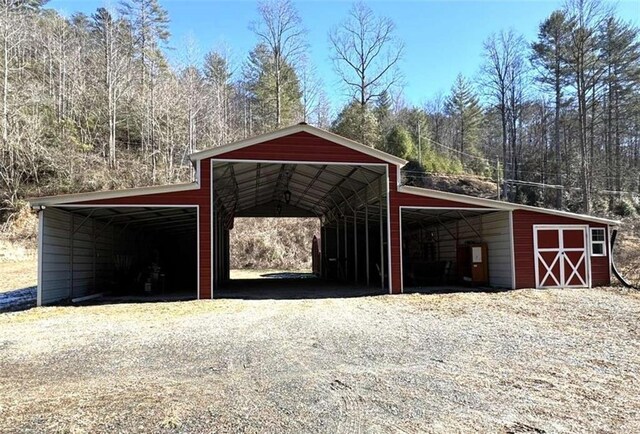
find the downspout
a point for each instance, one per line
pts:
(614, 269)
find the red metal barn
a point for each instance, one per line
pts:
(375, 232)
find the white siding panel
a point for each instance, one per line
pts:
(55, 276)
(74, 263)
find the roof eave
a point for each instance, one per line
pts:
(38, 202)
(506, 206)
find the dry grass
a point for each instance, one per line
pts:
(18, 274)
(520, 361)
(259, 274)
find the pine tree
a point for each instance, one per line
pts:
(620, 49)
(358, 123)
(267, 102)
(281, 35)
(398, 142)
(549, 59)
(463, 106)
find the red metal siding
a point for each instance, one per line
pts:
(523, 222)
(300, 147)
(198, 197)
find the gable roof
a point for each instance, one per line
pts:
(302, 127)
(498, 204)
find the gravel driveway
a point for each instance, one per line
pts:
(520, 361)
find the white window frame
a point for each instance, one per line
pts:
(603, 242)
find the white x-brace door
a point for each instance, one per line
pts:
(561, 256)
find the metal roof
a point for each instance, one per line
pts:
(173, 219)
(497, 204)
(294, 190)
(110, 194)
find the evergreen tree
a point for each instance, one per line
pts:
(620, 50)
(463, 106)
(281, 37)
(382, 111)
(266, 101)
(358, 123)
(549, 58)
(398, 142)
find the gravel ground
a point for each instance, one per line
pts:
(519, 361)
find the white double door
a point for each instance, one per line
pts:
(561, 256)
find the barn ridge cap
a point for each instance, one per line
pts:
(299, 128)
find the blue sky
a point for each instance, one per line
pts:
(443, 38)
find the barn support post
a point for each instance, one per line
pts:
(346, 250)
(214, 250)
(338, 268)
(366, 241)
(323, 247)
(381, 234)
(355, 245)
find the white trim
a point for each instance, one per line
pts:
(610, 253)
(40, 256)
(198, 255)
(512, 242)
(111, 194)
(559, 257)
(506, 206)
(211, 240)
(603, 242)
(401, 250)
(450, 208)
(389, 241)
(308, 163)
(326, 135)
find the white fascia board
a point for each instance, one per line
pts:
(110, 194)
(492, 203)
(212, 152)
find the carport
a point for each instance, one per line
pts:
(438, 246)
(350, 200)
(121, 250)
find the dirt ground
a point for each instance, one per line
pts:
(518, 361)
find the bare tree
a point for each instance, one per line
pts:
(366, 53)
(502, 80)
(280, 30)
(310, 88)
(113, 35)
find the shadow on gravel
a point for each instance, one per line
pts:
(452, 289)
(295, 288)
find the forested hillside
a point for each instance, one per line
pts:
(93, 102)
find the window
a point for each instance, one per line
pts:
(598, 246)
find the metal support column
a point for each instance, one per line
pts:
(366, 240)
(381, 234)
(338, 268)
(355, 245)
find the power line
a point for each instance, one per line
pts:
(554, 186)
